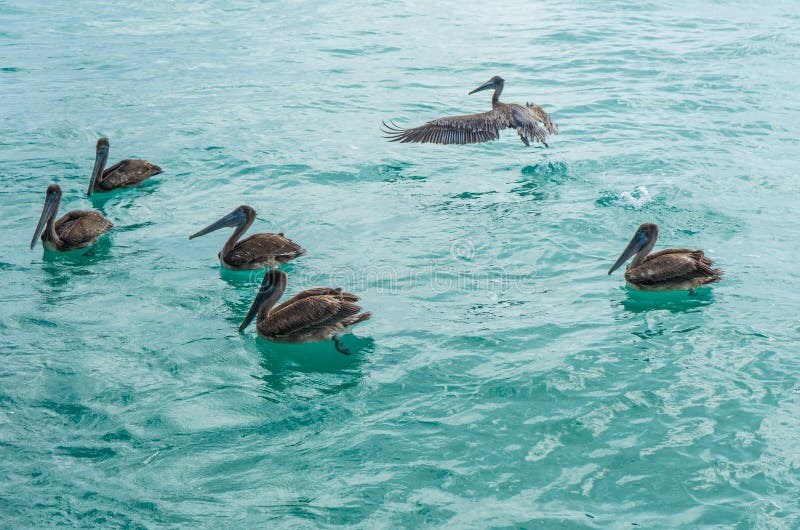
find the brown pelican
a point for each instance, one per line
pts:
(673, 269)
(123, 174)
(258, 251)
(531, 122)
(323, 313)
(74, 230)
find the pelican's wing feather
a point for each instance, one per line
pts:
(259, 247)
(309, 314)
(698, 253)
(672, 265)
(129, 172)
(533, 124)
(318, 291)
(540, 115)
(78, 227)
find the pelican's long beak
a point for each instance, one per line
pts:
(49, 210)
(264, 291)
(486, 86)
(100, 160)
(637, 243)
(235, 218)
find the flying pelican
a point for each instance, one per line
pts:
(322, 313)
(531, 122)
(74, 230)
(258, 251)
(123, 174)
(673, 269)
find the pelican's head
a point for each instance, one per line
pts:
(272, 287)
(645, 236)
(495, 82)
(100, 159)
(240, 216)
(51, 201)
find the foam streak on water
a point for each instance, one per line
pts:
(505, 379)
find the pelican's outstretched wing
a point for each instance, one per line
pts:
(467, 129)
(532, 123)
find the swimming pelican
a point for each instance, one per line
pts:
(673, 269)
(74, 230)
(531, 122)
(313, 315)
(258, 251)
(123, 174)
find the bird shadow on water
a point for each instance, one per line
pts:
(244, 278)
(241, 278)
(393, 171)
(316, 363)
(674, 301)
(60, 269)
(76, 259)
(102, 199)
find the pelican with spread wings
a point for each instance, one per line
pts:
(532, 123)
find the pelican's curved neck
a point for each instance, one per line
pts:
(496, 96)
(266, 306)
(639, 258)
(101, 171)
(241, 229)
(50, 231)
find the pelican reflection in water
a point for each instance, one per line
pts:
(75, 229)
(258, 251)
(313, 315)
(672, 269)
(532, 123)
(123, 174)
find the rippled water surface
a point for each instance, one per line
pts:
(505, 380)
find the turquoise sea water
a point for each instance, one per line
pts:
(505, 380)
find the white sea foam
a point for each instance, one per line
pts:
(637, 199)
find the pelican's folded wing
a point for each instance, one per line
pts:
(308, 315)
(698, 254)
(128, 172)
(671, 267)
(79, 226)
(260, 246)
(318, 291)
